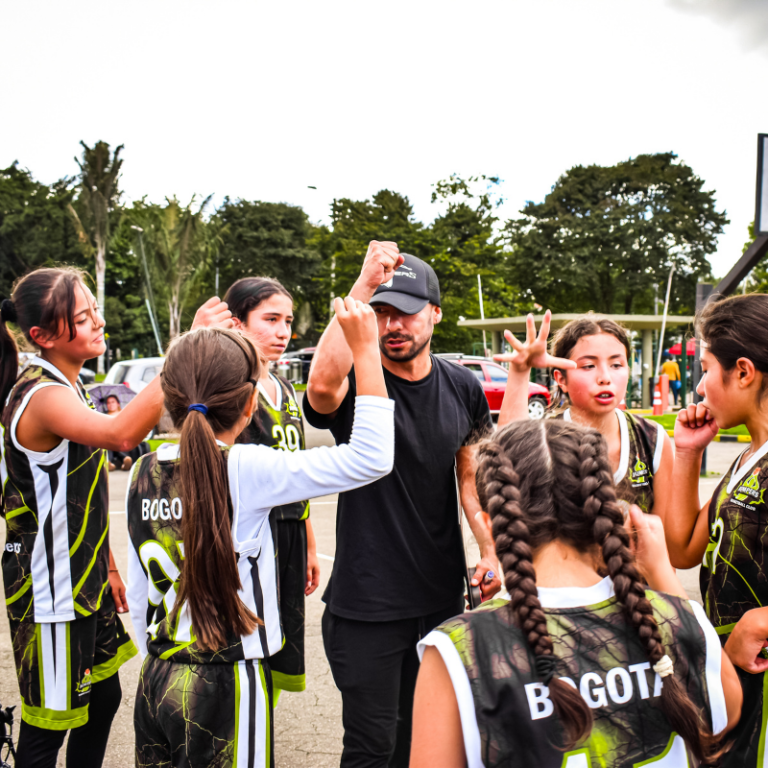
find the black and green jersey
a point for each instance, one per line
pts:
(507, 716)
(734, 579)
(279, 425)
(642, 445)
(55, 504)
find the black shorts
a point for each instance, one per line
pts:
(201, 715)
(287, 665)
(57, 663)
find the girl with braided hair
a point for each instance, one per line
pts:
(730, 531)
(590, 360)
(573, 670)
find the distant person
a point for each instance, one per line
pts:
(672, 369)
(202, 581)
(263, 311)
(590, 358)
(123, 459)
(399, 565)
(584, 665)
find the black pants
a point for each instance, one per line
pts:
(374, 665)
(39, 747)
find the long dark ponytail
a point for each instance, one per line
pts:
(218, 369)
(546, 480)
(44, 298)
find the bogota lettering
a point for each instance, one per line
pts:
(618, 685)
(162, 509)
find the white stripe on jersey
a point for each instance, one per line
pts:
(253, 713)
(52, 592)
(53, 641)
(661, 433)
(713, 670)
(463, 691)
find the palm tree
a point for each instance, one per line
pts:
(98, 198)
(178, 244)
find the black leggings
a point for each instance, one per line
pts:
(39, 747)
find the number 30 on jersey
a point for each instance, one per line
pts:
(287, 438)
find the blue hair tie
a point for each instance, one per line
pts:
(199, 407)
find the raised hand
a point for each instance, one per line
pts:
(533, 352)
(358, 322)
(694, 429)
(213, 314)
(381, 261)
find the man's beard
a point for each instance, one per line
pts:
(402, 355)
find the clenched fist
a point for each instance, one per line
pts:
(381, 261)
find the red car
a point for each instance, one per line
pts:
(494, 380)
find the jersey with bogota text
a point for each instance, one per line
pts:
(154, 510)
(602, 657)
(279, 425)
(55, 504)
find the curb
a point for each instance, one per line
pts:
(722, 438)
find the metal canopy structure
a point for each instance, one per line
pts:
(631, 322)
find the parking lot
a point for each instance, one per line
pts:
(308, 730)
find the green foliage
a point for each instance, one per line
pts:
(178, 244)
(35, 229)
(605, 235)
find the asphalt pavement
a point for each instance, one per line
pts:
(308, 732)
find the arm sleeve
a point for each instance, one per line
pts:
(137, 594)
(137, 590)
(272, 478)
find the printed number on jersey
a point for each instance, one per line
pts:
(287, 438)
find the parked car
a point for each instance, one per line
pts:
(305, 355)
(135, 374)
(493, 377)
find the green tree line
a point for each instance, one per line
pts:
(599, 241)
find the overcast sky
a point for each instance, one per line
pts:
(261, 100)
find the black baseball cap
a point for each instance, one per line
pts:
(411, 288)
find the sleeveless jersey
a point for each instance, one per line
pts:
(279, 425)
(506, 714)
(154, 511)
(733, 580)
(642, 444)
(55, 504)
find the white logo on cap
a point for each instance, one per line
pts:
(389, 282)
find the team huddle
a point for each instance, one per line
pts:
(592, 655)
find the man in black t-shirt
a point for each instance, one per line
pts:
(399, 566)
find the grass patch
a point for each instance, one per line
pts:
(100, 377)
(153, 444)
(667, 420)
(300, 387)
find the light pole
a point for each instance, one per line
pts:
(150, 296)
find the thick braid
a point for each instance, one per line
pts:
(608, 525)
(510, 531)
(507, 500)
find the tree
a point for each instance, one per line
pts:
(35, 228)
(98, 197)
(604, 235)
(177, 246)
